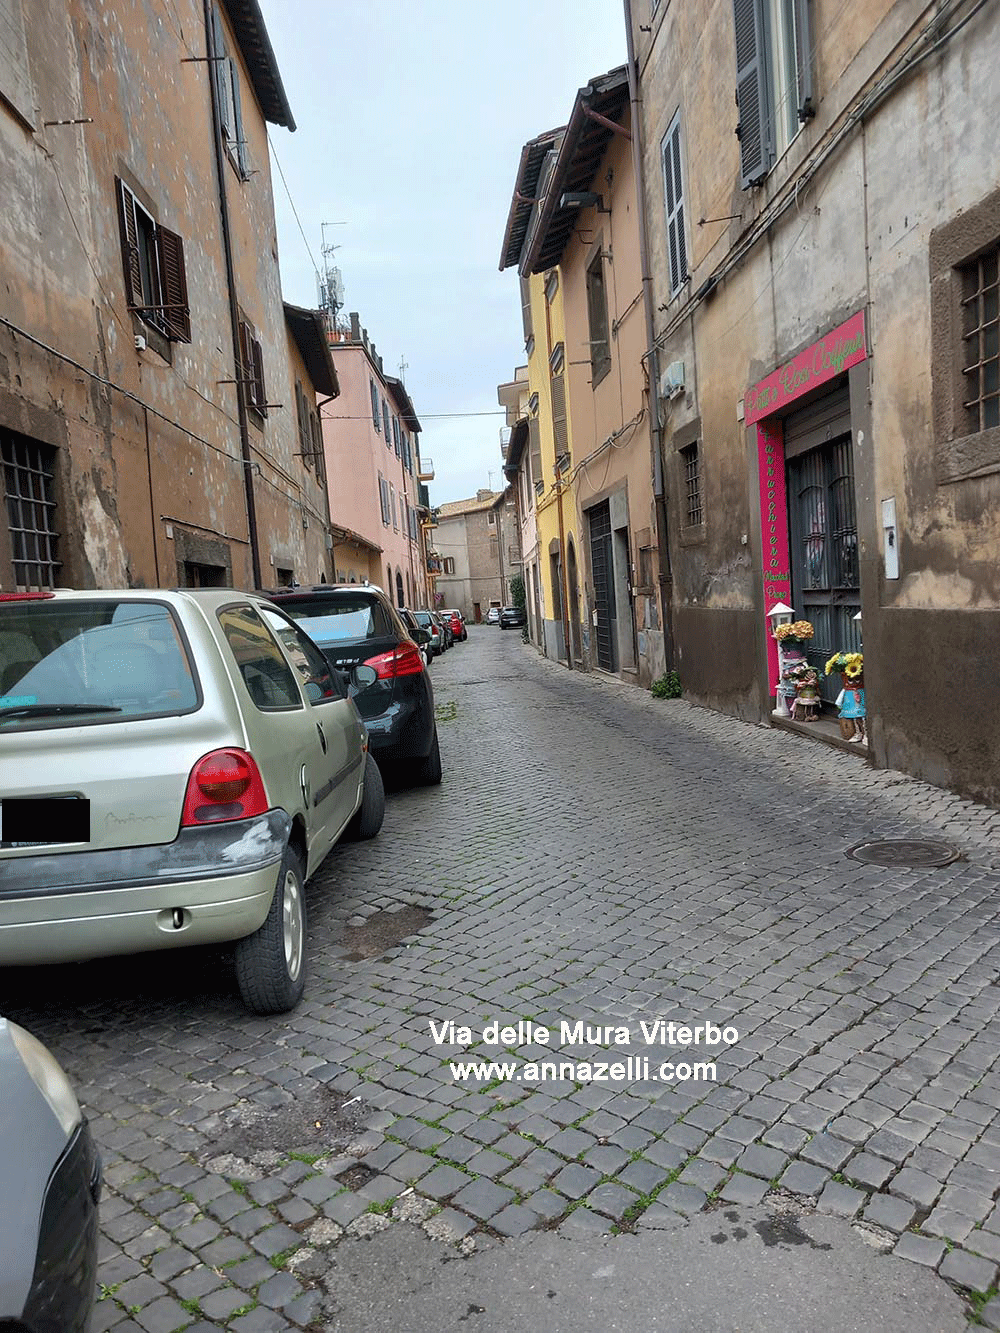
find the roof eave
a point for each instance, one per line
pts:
(255, 46)
(308, 328)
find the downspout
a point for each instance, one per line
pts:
(563, 578)
(234, 314)
(328, 555)
(659, 486)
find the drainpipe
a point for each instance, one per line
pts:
(234, 314)
(659, 486)
(563, 578)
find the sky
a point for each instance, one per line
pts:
(411, 117)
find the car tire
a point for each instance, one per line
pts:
(368, 818)
(429, 769)
(271, 963)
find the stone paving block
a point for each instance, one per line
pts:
(840, 1200)
(917, 1186)
(804, 1178)
(986, 1243)
(741, 1130)
(827, 1150)
(219, 1305)
(607, 1158)
(685, 1199)
(968, 1270)
(279, 1291)
(744, 1189)
(707, 1176)
(658, 1217)
(670, 1156)
(583, 1223)
(410, 1167)
(514, 1220)
(612, 1200)
(869, 1170)
(444, 1181)
(546, 1203)
(990, 1313)
(484, 1198)
(920, 1249)
(760, 1161)
(886, 1210)
(575, 1180)
(163, 1316)
(943, 1222)
(976, 1206)
(789, 1138)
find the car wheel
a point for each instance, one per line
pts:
(465, 635)
(370, 813)
(429, 769)
(271, 963)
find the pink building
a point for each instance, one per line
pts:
(377, 502)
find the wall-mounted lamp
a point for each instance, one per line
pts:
(583, 199)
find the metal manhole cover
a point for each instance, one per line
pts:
(904, 852)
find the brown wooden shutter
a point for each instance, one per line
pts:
(317, 434)
(173, 285)
(130, 246)
(260, 393)
(302, 411)
(239, 133)
(246, 362)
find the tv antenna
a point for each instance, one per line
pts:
(331, 284)
(403, 367)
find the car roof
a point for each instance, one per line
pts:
(174, 596)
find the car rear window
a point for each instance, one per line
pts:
(335, 620)
(67, 663)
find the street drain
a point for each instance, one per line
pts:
(356, 1176)
(383, 931)
(904, 852)
(317, 1123)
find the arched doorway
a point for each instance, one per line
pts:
(388, 582)
(574, 600)
(400, 601)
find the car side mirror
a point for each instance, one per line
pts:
(362, 676)
(422, 637)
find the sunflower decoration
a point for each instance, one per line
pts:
(849, 665)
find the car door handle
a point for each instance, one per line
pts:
(322, 737)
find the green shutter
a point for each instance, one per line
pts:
(751, 92)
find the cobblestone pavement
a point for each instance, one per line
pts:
(592, 855)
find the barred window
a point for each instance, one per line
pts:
(692, 486)
(28, 469)
(980, 336)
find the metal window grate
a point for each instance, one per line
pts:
(692, 486)
(981, 331)
(28, 470)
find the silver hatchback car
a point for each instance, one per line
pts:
(174, 766)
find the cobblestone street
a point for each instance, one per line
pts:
(593, 855)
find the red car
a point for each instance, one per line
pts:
(455, 620)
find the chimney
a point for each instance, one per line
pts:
(484, 495)
(355, 327)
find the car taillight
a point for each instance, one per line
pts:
(25, 596)
(403, 660)
(225, 784)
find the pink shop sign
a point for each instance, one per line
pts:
(840, 349)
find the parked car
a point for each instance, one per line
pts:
(457, 622)
(448, 634)
(511, 617)
(493, 616)
(419, 633)
(176, 766)
(428, 623)
(358, 626)
(50, 1186)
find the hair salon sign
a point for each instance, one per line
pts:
(825, 360)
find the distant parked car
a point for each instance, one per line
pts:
(428, 623)
(419, 633)
(493, 616)
(176, 766)
(446, 630)
(512, 617)
(357, 626)
(50, 1185)
(457, 622)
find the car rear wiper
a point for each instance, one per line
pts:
(55, 710)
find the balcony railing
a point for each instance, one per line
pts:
(425, 470)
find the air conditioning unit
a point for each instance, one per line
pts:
(672, 380)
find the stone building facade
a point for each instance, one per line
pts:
(157, 410)
(479, 546)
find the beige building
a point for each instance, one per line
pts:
(822, 326)
(479, 548)
(157, 399)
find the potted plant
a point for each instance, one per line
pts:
(851, 699)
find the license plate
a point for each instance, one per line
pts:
(44, 821)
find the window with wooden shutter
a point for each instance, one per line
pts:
(751, 92)
(252, 368)
(259, 392)
(227, 91)
(806, 107)
(597, 319)
(318, 454)
(130, 246)
(673, 190)
(395, 435)
(535, 448)
(560, 432)
(385, 422)
(375, 415)
(15, 80)
(302, 413)
(173, 285)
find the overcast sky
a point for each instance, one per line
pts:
(411, 116)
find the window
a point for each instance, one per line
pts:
(252, 368)
(318, 455)
(376, 419)
(28, 469)
(227, 84)
(560, 432)
(383, 496)
(395, 435)
(385, 422)
(392, 505)
(449, 564)
(319, 682)
(15, 81)
(155, 278)
(535, 447)
(774, 90)
(981, 367)
(692, 486)
(265, 673)
(400, 599)
(673, 189)
(597, 317)
(306, 446)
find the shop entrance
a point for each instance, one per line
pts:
(602, 564)
(823, 530)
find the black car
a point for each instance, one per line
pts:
(50, 1185)
(357, 624)
(512, 617)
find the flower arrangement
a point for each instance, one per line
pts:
(849, 665)
(800, 674)
(794, 635)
